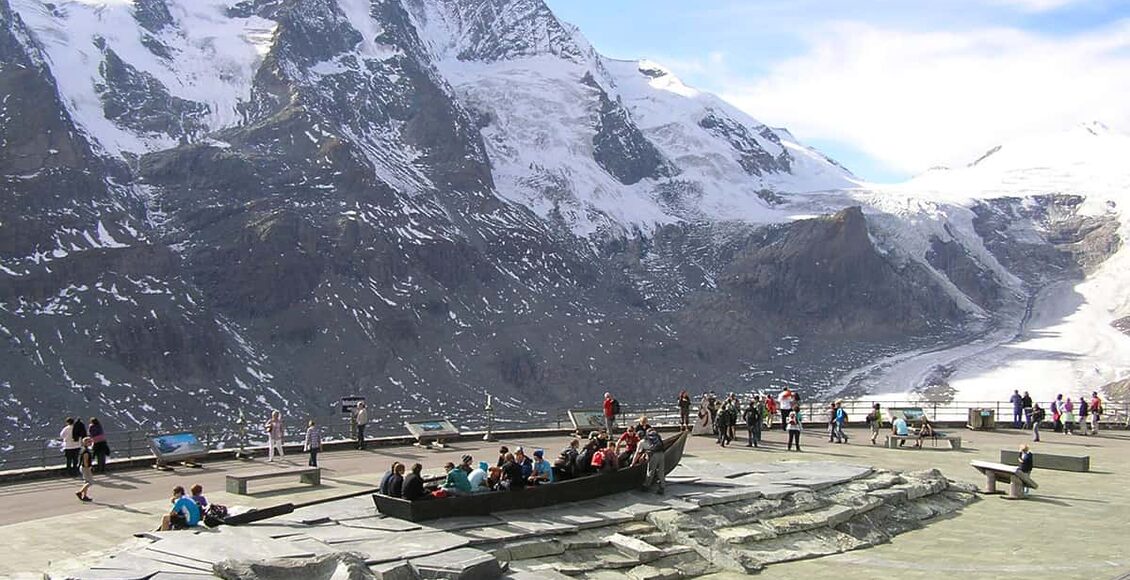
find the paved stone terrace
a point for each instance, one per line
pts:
(47, 528)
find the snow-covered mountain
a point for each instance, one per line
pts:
(212, 205)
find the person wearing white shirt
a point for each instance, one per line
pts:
(71, 446)
(785, 402)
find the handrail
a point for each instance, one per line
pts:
(133, 444)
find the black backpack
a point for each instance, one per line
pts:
(615, 407)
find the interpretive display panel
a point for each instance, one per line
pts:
(176, 447)
(432, 429)
(587, 420)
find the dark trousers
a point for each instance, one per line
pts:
(754, 434)
(360, 436)
(1028, 417)
(785, 419)
(794, 437)
(72, 460)
(313, 457)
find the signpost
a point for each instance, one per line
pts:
(173, 447)
(431, 433)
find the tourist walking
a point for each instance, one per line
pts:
(1037, 417)
(875, 422)
(1026, 400)
(274, 429)
(785, 403)
(1017, 409)
(831, 422)
(1057, 414)
(684, 410)
(839, 422)
(313, 443)
(1026, 463)
(793, 427)
(1096, 409)
(727, 417)
(71, 446)
(770, 411)
(752, 417)
(361, 419)
(611, 409)
(86, 468)
(101, 448)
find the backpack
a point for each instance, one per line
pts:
(615, 407)
(215, 515)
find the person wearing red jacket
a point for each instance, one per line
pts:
(610, 405)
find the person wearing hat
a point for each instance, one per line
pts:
(466, 464)
(478, 478)
(543, 471)
(651, 451)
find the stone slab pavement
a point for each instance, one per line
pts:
(1080, 517)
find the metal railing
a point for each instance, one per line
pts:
(134, 444)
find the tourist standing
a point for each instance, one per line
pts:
(752, 417)
(71, 446)
(313, 443)
(793, 427)
(79, 432)
(1026, 400)
(770, 411)
(875, 422)
(652, 445)
(361, 420)
(101, 448)
(85, 465)
(1057, 414)
(785, 403)
(1037, 417)
(1096, 409)
(611, 409)
(1068, 416)
(1017, 408)
(274, 429)
(684, 410)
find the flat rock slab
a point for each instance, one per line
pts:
(458, 564)
(498, 533)
(544, 574)
(635, 548)
(212, 547)
(341, 510)
(405, 545)
(336, 565)
(112, 574)
(531, 522)
(529, 549)
(342, 534)
(399, 570)
(382, 524)
(463, 523)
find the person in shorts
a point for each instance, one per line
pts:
(86, 469)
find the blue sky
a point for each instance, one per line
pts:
(888, 87)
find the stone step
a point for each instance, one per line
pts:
(458, 564)
(826, 517)
(528, 549)
(636, 548)
(797, 546)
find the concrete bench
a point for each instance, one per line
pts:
(1017, 480)
(1058, 462)
(238, 483)
(954, 440)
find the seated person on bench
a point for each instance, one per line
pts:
(185, 513)
(926, 429)
(900, 428)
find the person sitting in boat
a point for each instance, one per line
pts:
(385, 487)
(626, 445)
(543, 471)
(414, 484)
(494, 477)
(604, 460)
(641, 428)
(566, 464)
(524, 462)
(478, 478)
(511, 475)
(502, 451)
(456, 482)
(584, 458)
(467, 465)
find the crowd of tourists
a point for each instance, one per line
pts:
(1067, 416)
(516, 470)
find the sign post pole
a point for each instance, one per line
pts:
(490, 421)
(241, 422)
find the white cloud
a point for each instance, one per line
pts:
(914, 99)
(1038, 5)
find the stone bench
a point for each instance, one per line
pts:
(237, 484)
(1058, 462)
(954, 440)
(1017, 480)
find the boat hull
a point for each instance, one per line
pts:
(533, 497)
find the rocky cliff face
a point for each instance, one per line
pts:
(274, 203)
